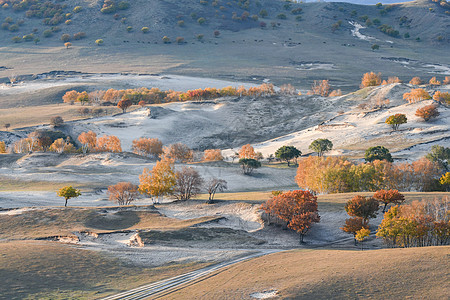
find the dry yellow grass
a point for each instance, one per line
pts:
(48, 270)
(333, 274)
(63, 222)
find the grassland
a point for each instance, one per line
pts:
(333, 274)
(47, 270)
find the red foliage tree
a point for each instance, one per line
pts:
(389, 197)
(353, 225)
(297, 208)
(362, 207)
(124, 104)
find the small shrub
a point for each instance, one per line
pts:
(201, 21)
(129, 29)
(65, 37)
(99, 42)
(200, 37)
(180, 23)
(427, 112)
(77, 9)
(180, 40)
(281, 16)
(16, 39)
(47, 33)
(68, 22)
(145, 29)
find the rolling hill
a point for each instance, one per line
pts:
(257, 40)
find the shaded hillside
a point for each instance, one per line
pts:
(295, 42)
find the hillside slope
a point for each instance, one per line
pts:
(298, 43)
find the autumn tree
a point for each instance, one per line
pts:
(212, 155)
(396, 120)
(427, 112)
(158, 181)
(179, 152)
(68, 192)
(371, 79)
(434, 81)
(108, 143)
(124, 104)
(59, 145)
(147, 147)
(123, 193)
(320, 87)
(2, 147)
(416, 95)
(389, 197)
(321, 146)
(297, 208)
(443, 97)
(44, 142)
(287, 153)
(353, 225)
(248, 165)
(362, 207)
(247, 151)
(189, 183)
(416, 81)
(361, 235)
(444, 180)
(70, 96)
(83, 97)
(68, 45)
(213, 186)
(88, 141)
(378, 152)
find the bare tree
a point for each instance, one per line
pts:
(189, 183)
(12, 79)
(123, 193)
(213, 186)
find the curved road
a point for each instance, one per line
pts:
(166, 286)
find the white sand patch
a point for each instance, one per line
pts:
(440, 69)
(356, 32)
(264, 294)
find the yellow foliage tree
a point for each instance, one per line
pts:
(159, 181)
(2, 147)
(434, 81)
(370, 79)
(416, 95)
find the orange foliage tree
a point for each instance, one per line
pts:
(389, 197)
(434, 81)
(123, 193)
(297, 208)
(212, 155)
(427, 112)
(443, 97)
(70, 96)
(416, 95)
(108, 143)
(88, 141)
(362, 207)
(370, 79)
(446, 80)
(416, 81)
(352, 225)
(148, 147)
(247, 151)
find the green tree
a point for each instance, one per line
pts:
(287, 153)
(396, 120)
(321, 145)
(378, 153)
(248, 165)
(68, 192)
(441, 155)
